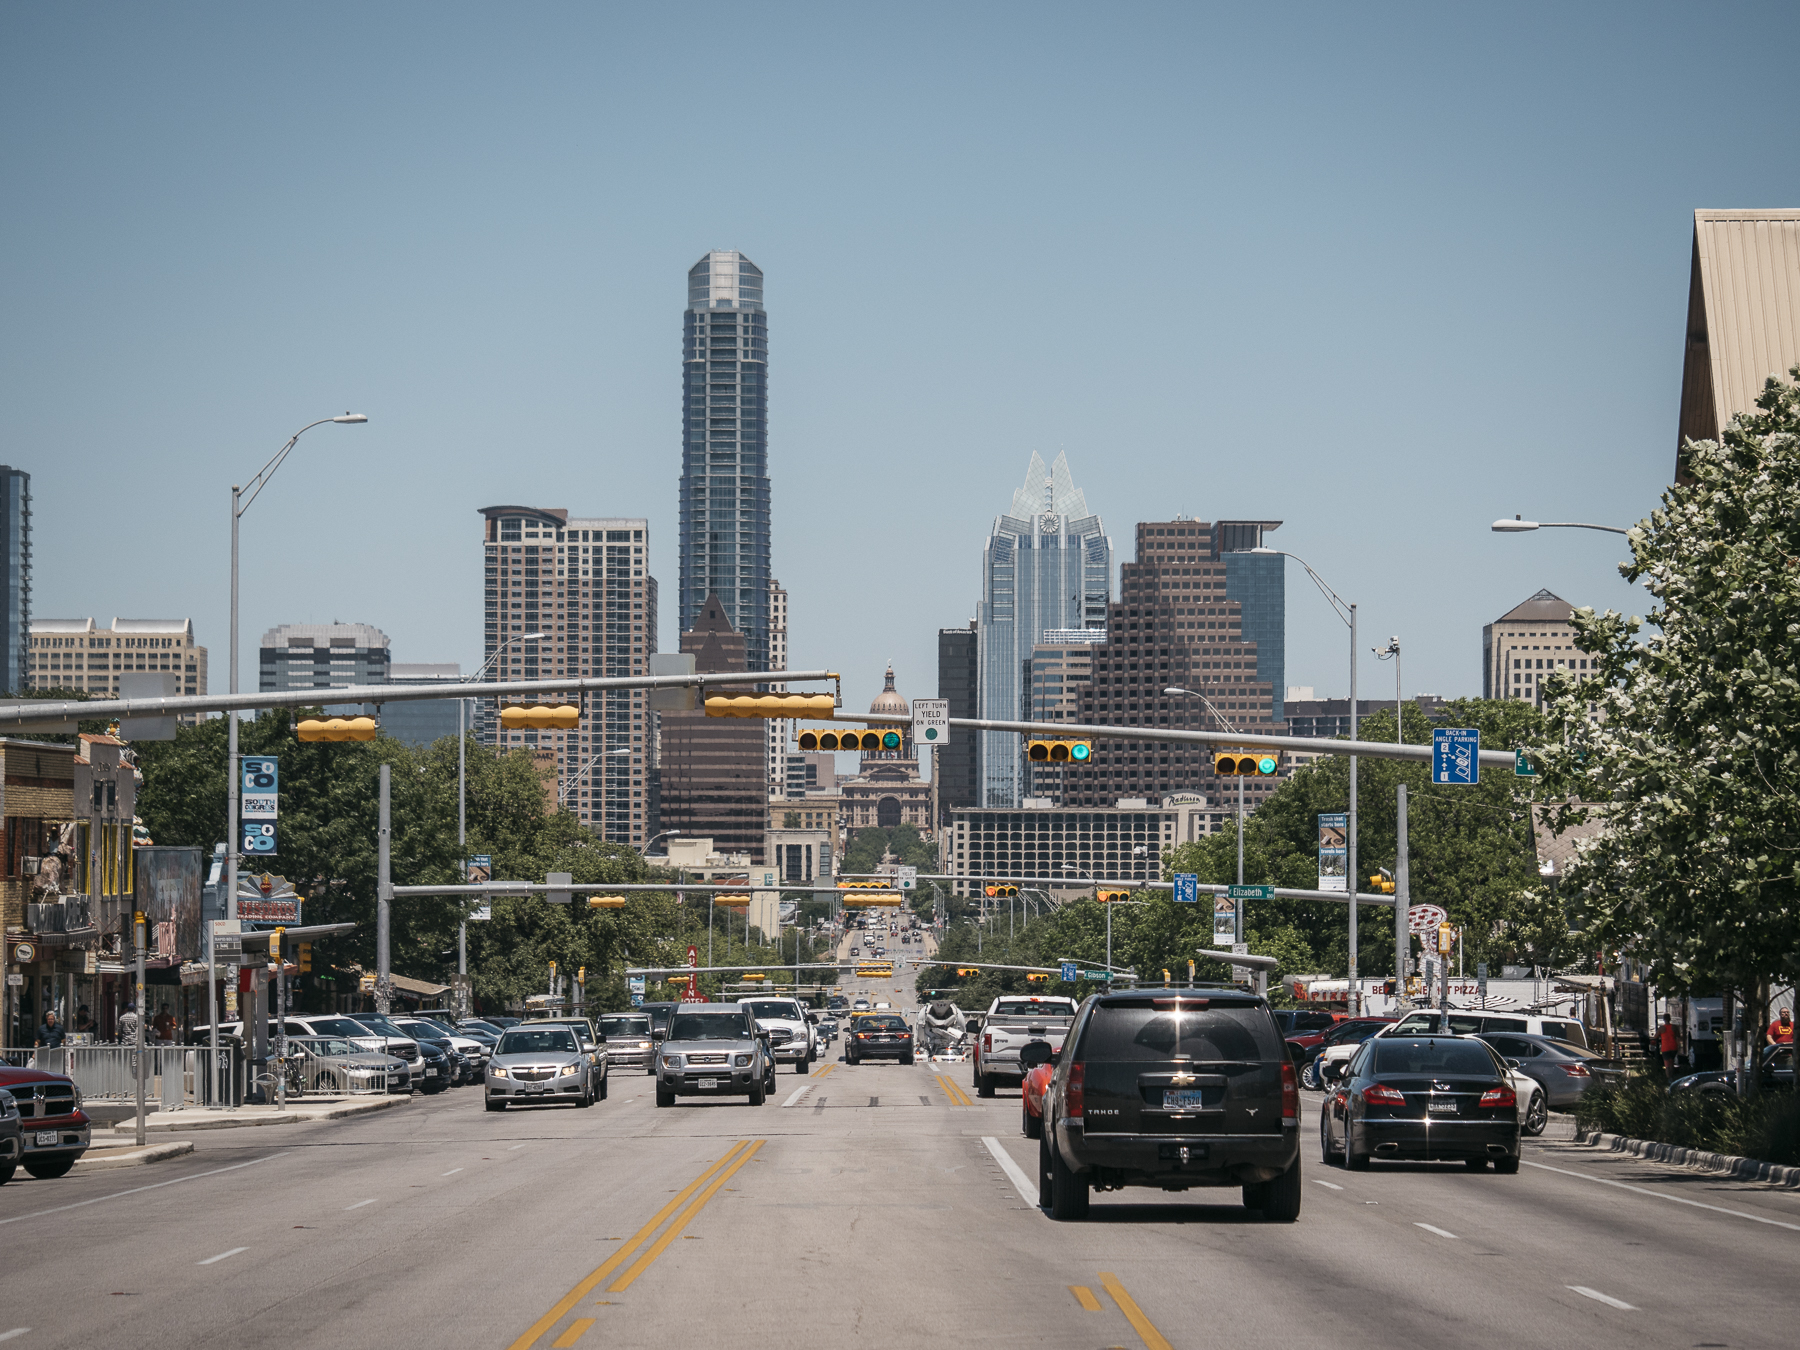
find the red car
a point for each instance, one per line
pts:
(1039, 1062)
(1312, 1040)
(53, 1128)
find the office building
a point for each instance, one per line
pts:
(1179, 624)
(808, 774)
(778, 730)
(724, 518)
(422, 721)
(1743, 317)
(322, 656)
(1053, 680)
(15, 579)
(1122, 841)
(714, 778)
(1524, 644)
(956, 766)
(1329, 718)
(78, 654)
(572, 596)
(1047, 565)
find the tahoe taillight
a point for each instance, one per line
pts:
(1290, 1093)
(1074, 1098)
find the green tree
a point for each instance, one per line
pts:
(1686, 742)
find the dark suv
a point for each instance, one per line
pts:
(1172, 1088)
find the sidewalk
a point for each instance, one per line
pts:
(241, 1117)
(105, 1157)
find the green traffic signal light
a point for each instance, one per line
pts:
(1081, 750)
(890, 740)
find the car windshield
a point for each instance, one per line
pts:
(380, 1025)
(482, 1026)
(886, 1022)
(775, 1007)
(1031, 1007)
(1143, 1031)
(1396, 1055)
(625, 1026)
(336, 1026)
(426, 1030)
(711, 1026)
(333, 1045)
(549, 1041)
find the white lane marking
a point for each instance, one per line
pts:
(1014, 1173)
(16, 1331)
(221, 1256)
(515, 1147)
(452, 1172)
(1658, 1195)
(1599, 1297)
(153, 1186)
(1331, 1184)
(1441, 1232)
(358, 1205)
(798, 1093)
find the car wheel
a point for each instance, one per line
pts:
(1325, 1138)
(50, 1168)
(1281, 1197)
(664, 1096)
(1068, 1190)
(800, 1066)
(757, 1095)
(495, 1106)
(6, 1172)
(850, 1058)
(906, 1059)
(1033, 1126)
(1256, 1195)
(1309, 1076)
(1537, 1115)
(1356, 1162)
(984, 1085)
(1507, 1167)
(605, 1085)
(1043, 1170)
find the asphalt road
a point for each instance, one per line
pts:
(869, 1205)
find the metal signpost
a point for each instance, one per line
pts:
(1456, 755)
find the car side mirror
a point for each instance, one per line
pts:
(1334, 1071)
(812, 1019)
(1512, 1063)
(658, 1034)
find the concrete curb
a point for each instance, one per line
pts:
(1744, 1169)
(238, 1118)
(173, 1148)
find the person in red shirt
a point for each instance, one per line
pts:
(1781, 1030)
(1667, 1043)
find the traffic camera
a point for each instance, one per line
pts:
(770, 705)
(1246, 764)
(1059, 751)
(337, 729)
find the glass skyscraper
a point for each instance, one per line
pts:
(1047, 568)
(725, 449)
(15, 579)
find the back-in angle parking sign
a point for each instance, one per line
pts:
(1456, 755)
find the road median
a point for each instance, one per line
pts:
(105, 1158)
(245, 1117)
(1742, 1169)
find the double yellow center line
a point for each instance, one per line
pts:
(712, 1179)
(956, 1095)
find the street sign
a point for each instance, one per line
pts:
(931, 721)
(1251, 892)
(1522, 767)
(1094, 975)
(1069, 972)
(909, 878)
(1481, 978)
(24, 953)
(1187, 888)
(1456, 755)
(1424, 918)
(15, 978)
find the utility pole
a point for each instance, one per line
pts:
(138, 936)
(1350, 843)
(384, 897)
(1402, 897)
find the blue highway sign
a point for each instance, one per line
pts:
(1456, 755)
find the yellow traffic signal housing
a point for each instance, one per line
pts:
(754, 975)
(540, 717)
(770, 705)
(829, 738)
(305, 956)
(1382, 883)
(1001, 888)
(275, 945)
(732, 901)
(967, 970)
(337, 729)
(1112, 897)
(1036, 978)
(1059, 751)
(1247, 764)
(606, 902)
(581, 975)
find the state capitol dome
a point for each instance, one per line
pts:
(888, 701)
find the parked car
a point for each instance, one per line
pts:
(1300, 1021)
(537, 1064)
(1464, 1022)
(1335, 1045)
(879, 1036)
(334, 1064)
(53, 1129)
(376, 1033)
(1040, 1066)
(628, 1043)
(463, 1056)
(401, 1080)
(12, 1138)
(1436, 1098)
(1777, 1068)
(713, 1050)
(1564, 1071)
(1172, 1089)
(504, 1023)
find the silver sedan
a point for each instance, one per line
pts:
(539, 1064)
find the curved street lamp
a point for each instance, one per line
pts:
(1519, 525)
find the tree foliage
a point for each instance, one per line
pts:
(1686, 741)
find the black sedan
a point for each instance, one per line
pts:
(1564, 1071)
(1436, 1098)
(1777, 1073)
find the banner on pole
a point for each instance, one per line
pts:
(1333, 851)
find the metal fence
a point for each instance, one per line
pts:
(110, 1072)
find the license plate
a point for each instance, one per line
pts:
(537, 1087)
(431, 1073)
(1182, 1101)
(706, 1083)
(46, 1138)
(1442, 1108)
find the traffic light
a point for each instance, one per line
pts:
(337, 729)
(606, 902)
(770, 705)
(1382, 883)
(540, 717)
(1035, 978)
(732, 901)
(825, 738)
(967, 970)
(275, 945)
(305, 956)
(754, 975)
(1111, 897)
(1002, 890)
(1247, 764)
(1059, 751)
(581, 975)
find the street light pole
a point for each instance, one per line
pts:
(1222, 721)
(1392, 652)
(1519, 525)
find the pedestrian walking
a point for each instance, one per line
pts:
(50, 1034)
(1781, 1030)
(164, 1024)
(128, 1025)
(1668, 1043)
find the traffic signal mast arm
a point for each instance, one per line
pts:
(1064, 884)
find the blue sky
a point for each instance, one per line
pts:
(1382, 273)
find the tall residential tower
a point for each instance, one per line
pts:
(15, 579)
(725, 450)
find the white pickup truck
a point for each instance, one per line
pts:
(1012, 1021)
